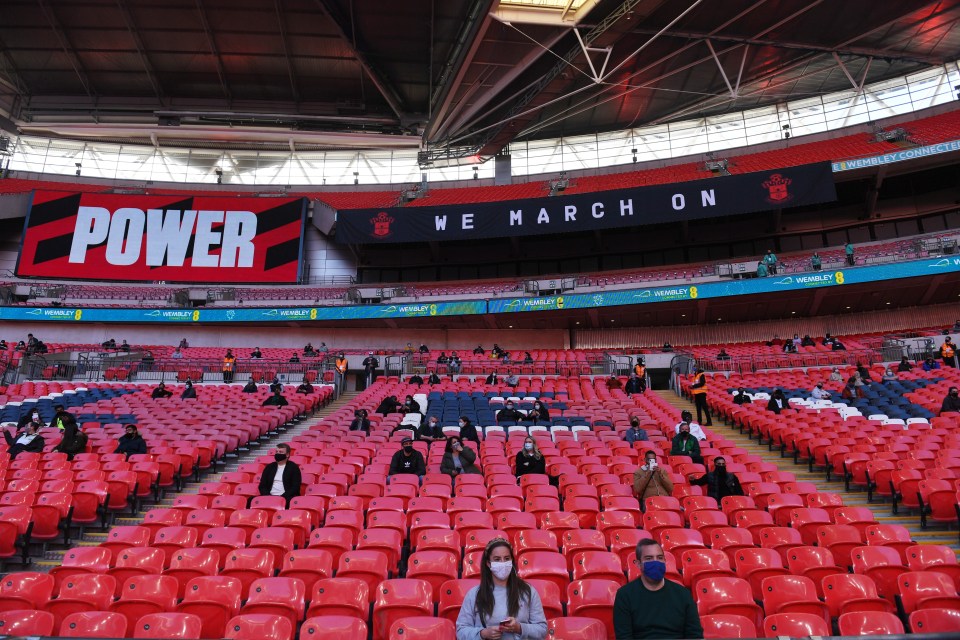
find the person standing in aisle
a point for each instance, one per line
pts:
(699, 391)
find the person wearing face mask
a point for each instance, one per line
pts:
(509, 414)
(360, 421)
(305, 387)
(131, 442)
(651, 606)
(951, 402)
(742, 397)
(468, 431)
(685, 444)
(188, 391)
(458, 459)
(281, 477)
(651, 480)
(31, 417)
(433, 378)
(539, 413)
(503, 606)
(695, 429)
(633, 385)
(30, 441)
(529, 459)
(416, 379)
(74, 440)
(408, 460)
(635, 433)
(161, 392)
(430, 430)
(62, 417)
(276, 400)
(388, 405)
(410, 405)
(251, 386)
(777, 402)
(493, 378)
(720, 484)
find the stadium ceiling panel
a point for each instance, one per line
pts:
(458, 79)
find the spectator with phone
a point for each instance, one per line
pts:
(651, 480)
(503, 606)
(458, 459)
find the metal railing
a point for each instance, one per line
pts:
(752, 363)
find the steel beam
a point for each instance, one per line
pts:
(381, 83)
(14, 80)
(67, 47)
(124, 9)
(212, 43)
(278, 4)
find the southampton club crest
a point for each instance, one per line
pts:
(777, 192)
(381, 225)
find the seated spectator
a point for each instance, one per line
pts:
(29, 440)
(161, 392)
(828, 340)
(388, 406)
(527, 358)
(177, 354)
(635, 433)
(762, 271)
(276, 400)
(360, 421)
(478, 351)
(951, 402)
(789, 347)
(509, 414)
(424, 348)
(147, 359)
(723, 355)
(275, 385)
(442, 358)
(294, 358)
(835, 375)
(31, 417)
(497, 352)
(904, 366)
(889, 375)
(256, 354)
(819, 393)
(61, 417)
(667, 347)
(415, 379)
(776, 342)
(308, 350)
(3, 345)
(777, 402)
(453, 364)
(468, 431)
(131, 441)
(511, 380)
(407, 460)
(539, 413)
(529, 459)
(492, 378)
(410, 405)
(251, 386)
(851, 390)
(430, 430)
(21, 346)
(125, 347)
(796, 340)
(930, 364)
(838, 345)
(807, 341)
(409, 350)
(41, 347)
(864, 372)
(685, 444)
(458, 459)
(719, 483)
(74, 440)
(109, 344)
(188, 391)
(433, 378)
(281, 477)
(183, 344)
(634, 384)
(742, 397)
(613, 382)
(651, 480)
(305, 387)
(695, 429)
(323, 349)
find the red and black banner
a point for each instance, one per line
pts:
(655, 204)
(172, 238)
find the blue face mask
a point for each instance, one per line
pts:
(654, 570)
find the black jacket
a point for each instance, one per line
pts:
(306, 388)
(130, 446)
(291, 480)
(370, 363)
(529, 464)
(426, 431)
(469, 432)
(34, 446)
(161, 393)
(360, 425)
(433, 379)
(731, 486)
(250, 387)
(633, 386)
(412, 464)
(275, 401)
(413, 407)
(950, 403)
(773, 406)
(415, 379)
(741, 398)
(509, 415)
(64, 417)
(188, 392)
(468, 461)
(492, 379)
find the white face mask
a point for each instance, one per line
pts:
(462, 423)
(528, 446)
(501, 570)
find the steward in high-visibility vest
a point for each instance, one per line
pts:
(229, 361)
(947, 352)
(699, 391)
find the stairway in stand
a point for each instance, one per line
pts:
(852, 498)
(286, 433)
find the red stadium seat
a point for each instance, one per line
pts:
(259, 626)
(279, 597)
(340, 596)
(574, 628)
(593, 599)
(213, 599)
(869, 623)
(927, 590)
(399, 599)
(935, 621)
(182, 626)
(844, 592)
(26, 623)
(94, 624)
(332, 626)
(25, 590)
(727, 626)
(794, 625)
(142, 595)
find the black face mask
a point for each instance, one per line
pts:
(721, 471)
(279, 457)
(408, 449)
(131, 434)
(685, 434)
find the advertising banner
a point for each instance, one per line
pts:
(710, 198)
(95, 236)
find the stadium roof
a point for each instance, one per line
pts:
(459, 79)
